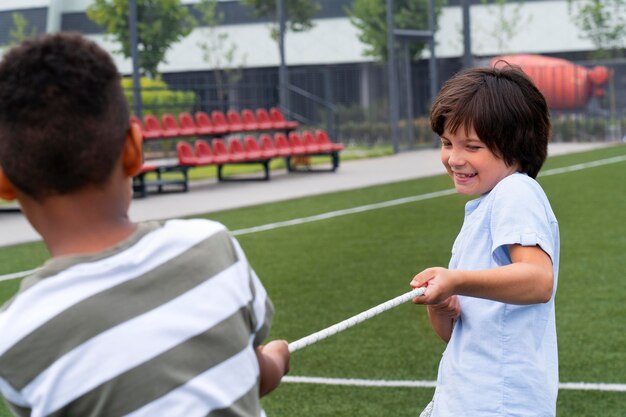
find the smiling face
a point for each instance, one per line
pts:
(473, 167)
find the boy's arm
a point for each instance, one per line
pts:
(443, 315)
(529, 279)
(273, 361)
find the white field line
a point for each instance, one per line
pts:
(375, 206)
(338, 213)
(584, 165)
(383, 383)
(396, 202)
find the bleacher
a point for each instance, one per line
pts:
(218, 139)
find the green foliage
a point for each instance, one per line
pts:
(157, 98)
(370, 18)
(586, 129)
(20, 30)
(218, 51)
(509, 21)
(603, 22)
(369, 126)
(160, 23)
(298, 13)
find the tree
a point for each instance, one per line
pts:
(20, 30)
(370, 18)
(509, 21)
(160, 23)
(218, 50)
(603, 22)
(298, 13)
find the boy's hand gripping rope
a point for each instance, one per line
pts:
(354, 320)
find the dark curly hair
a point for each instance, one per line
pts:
(505, 108)
(63, 115)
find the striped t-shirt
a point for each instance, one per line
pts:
(163, 324)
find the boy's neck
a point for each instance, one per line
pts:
(82, 223)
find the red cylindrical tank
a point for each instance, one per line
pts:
(599, 75)
(565, 85)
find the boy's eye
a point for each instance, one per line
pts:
(445, 144)
(473, 147)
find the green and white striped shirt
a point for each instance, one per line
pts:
(163, 324)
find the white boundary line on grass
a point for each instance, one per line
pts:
(383, 383)
(338, 213)
(396, 202)
(360, 209)
(375, 206)
(585, 165)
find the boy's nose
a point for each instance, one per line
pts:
(455, 158)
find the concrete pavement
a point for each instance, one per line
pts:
(211, 195)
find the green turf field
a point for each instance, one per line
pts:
(321, 272)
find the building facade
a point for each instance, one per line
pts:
(328, 68)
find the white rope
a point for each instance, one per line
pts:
(375, 206)
(354, 320)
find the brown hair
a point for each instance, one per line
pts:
(63, 115)
(507, 111)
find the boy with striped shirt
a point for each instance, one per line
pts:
(125, 319)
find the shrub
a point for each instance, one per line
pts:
(157, 98)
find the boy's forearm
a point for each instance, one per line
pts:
(518, 283)
(273, 365)
(441, 324)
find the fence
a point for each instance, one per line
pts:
(351, 100)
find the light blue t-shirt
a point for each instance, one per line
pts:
(502, 358)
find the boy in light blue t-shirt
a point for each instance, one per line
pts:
(494, 304)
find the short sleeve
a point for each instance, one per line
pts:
(520, 215)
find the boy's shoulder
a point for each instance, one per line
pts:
(150, 238)
(181, 233)
(518, 184)
(193, 226)
(519, 193)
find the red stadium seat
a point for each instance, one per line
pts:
(187, 125)
(145, 168)
(279, 120)
(170, 126)
(236, 150)
(249, 120)
(204, 124)
(235, 153)
(264, 120)
(253, 151)
(151, 127)
(267, 146)
(325, 143)
(204, 155)
(282, 145)
(186, 156)
(220, 152)
(234, 121)
(220, 124)
(310, 143)
(297, 144)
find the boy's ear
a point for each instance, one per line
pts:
(132, 153)
(7, 191)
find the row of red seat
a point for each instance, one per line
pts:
(221, 152)
(217, 123)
